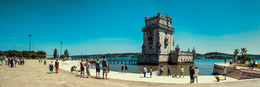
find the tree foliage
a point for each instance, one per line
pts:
(66, 53)
(243, 57)
(55, 54)
(26, 54)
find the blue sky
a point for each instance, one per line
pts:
(114, 26)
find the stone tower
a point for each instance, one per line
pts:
(157, 39)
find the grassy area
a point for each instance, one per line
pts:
(246, 65)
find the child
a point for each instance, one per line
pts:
(151, 72)
(145, 70)
(217, 77)
(51, 66)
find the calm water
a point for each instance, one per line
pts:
(204, 65)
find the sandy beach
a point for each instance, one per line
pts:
(36, 74)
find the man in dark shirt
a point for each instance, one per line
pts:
(192, 72)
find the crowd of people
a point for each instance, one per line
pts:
(193, 73)
(87, 66)
(252, 65)
(12, 61)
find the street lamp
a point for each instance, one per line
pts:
(30, 35)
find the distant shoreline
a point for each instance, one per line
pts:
(210, 55)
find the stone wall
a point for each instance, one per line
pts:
(218, 69)
(236, 73)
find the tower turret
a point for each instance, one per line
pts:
(194, 52)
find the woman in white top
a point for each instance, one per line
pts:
(196, 74)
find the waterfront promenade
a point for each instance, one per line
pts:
(36, 74)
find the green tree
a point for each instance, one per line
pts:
(66, 53)
(34, 55)
(63, 56)
(55, 55)
(41, 54)
(236, 52)
(243, 56)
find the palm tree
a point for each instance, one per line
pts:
(236, 53)
(243, 55)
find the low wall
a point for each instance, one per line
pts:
(218, 69)
(236, 73)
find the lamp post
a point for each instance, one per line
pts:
(60, 48)
(30, 35)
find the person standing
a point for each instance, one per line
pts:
(225, 72)
(1, 60)
(15, 60)
(126, 68)
(192, 72)
(57, 65)
(51, 66)
(249, 64)
(88, 69)
(82, 73)
(6, 61)
(12, 62)
(196, 74)
(169, 70)
(122, 67)
(97, 68)
(182, 70)
(230, 62)
(9, 61)
(161, 70)
(145, 70)
(39, 60)
(151, 72)
(45, 61)
(105, 65)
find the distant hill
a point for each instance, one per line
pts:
(110, 55)
(211, 55)
(218, 55)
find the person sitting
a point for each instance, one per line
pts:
(217, 77)
(174, 76)
(73, 68)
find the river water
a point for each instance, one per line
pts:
(205, 66)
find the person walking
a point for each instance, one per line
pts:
(169, 70)
(122, 67)
(105, 66)
(57, 65)
(182, 70)
(126, 68)
(192, 72)
(196, 74)
(145, 70)
(225, 72)
(97, 68)
(82, 73)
